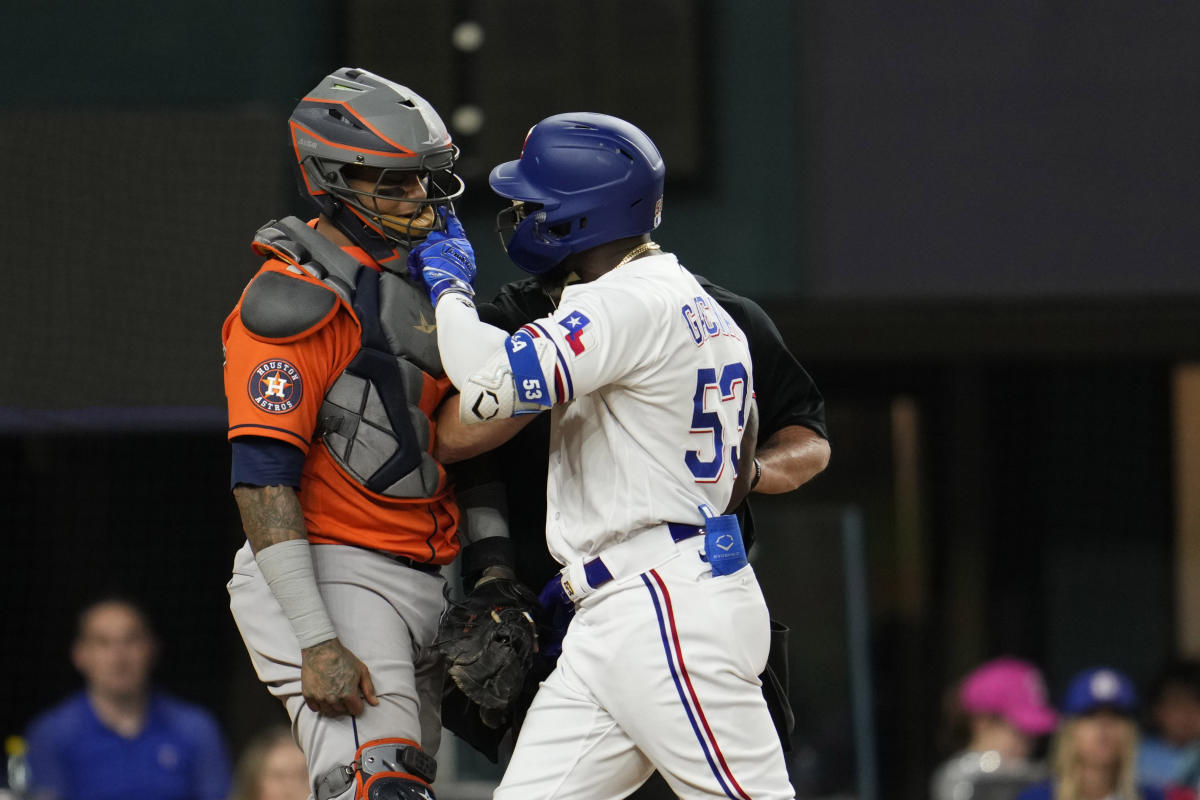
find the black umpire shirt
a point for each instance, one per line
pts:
(785, 392)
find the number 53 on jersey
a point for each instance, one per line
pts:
(712, 392)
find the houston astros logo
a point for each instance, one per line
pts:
(275, 386)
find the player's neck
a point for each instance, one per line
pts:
(602, 259)
(332, 232)
(123, 713)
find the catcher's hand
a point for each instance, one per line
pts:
(489, 641)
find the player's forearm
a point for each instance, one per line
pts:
(456, 441)
(466, 345)
(270, 514)
(465, 342)
(274, 526)
(790, 458)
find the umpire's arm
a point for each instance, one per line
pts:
(790, 458)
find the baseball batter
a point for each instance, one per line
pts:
(332, 374)
(650, 388)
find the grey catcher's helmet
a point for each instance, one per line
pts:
(357, 122)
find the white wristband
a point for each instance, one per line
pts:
(288, 568)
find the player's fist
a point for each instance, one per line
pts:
(445, 261)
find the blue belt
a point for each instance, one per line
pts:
(597, 574)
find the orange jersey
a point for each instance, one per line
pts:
(275, 388)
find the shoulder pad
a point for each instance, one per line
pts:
(279, 306)
(293, 242)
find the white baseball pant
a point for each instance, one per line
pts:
(659, 670)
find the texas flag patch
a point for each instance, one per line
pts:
(575, 324)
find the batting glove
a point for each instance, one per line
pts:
(445, 261)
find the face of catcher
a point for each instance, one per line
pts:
(390, 193)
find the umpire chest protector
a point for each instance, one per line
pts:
(370, 419)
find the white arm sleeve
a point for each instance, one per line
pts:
(466, 343)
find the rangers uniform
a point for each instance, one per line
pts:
(785, 395)
(650, 382)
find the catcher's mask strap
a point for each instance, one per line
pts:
(630, 557)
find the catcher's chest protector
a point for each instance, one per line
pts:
(371, 421)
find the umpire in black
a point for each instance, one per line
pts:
(793, 447)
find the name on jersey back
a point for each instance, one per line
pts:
(705, 319)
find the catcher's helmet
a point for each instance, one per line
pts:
(356, 120)
(583, 179)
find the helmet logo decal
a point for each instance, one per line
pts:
(275, 386)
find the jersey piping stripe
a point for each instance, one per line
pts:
(560, 392)
(662, 631)
(271, 428)
(669, 633)
(429, 538)
(691, 689)
(562, 362)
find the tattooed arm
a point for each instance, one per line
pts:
(270, 514)
(332, 679)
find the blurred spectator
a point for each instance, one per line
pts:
(1170, 752)
(1002, 708)
(1095, 749)
(271, 768)
(119, 737)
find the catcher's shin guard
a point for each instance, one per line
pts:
(383, 769)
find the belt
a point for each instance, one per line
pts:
(596, 572)
(419, 566)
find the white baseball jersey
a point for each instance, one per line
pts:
(651, 382)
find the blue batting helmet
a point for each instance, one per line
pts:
(583, 179)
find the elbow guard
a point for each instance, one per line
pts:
(510, 383)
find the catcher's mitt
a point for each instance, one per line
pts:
(489, 641)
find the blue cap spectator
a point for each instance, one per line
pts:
(1100, 688)
(1095, 749)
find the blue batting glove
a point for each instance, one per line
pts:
(453, 229)
(445, 261)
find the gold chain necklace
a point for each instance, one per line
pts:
(635, 252)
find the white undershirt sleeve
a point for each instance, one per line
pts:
(466, 343)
